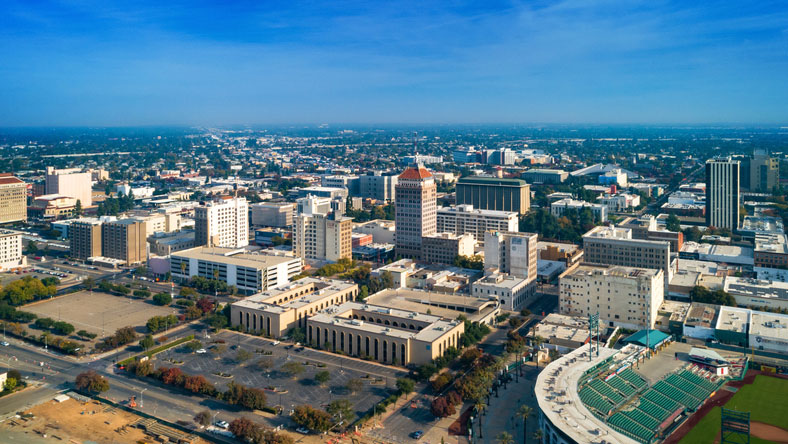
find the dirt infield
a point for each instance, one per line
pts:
(718, 400)
(93, 310)
(769, 432)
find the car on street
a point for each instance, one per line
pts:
(302, 430)
(417, 434)
(222, 424)
(5, 343)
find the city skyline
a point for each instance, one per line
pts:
(89, 64)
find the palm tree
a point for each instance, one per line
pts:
(538, 435)
(480, 406)
(524, 412)
(504, 438)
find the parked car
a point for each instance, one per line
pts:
(417, 434)
(222, 424)
(302, 430)
(201, 351)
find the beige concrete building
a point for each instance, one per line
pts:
(272, 214)
(416, 210)
(53, 207)
(274, 312)
(125, 240)
(13, 199)
(383, 334)
(84, 238)
(323, 236)
(465, 219)
(223, 223)
(623, 296)
(11, 250)
(443, 248)
(71, 182)
(615, 246)
(512, 253)
(514, 293)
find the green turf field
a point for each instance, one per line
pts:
(766, 399)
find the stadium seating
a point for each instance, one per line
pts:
(605, 390)
(633, 378)
(596, 401)
(661, 400)
(629, 427)
(621, 385)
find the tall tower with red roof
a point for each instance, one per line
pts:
(416, 210)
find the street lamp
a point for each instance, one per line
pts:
(142, 403)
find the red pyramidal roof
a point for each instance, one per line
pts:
(415, 173)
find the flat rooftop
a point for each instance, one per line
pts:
(234, 256)
(440, 304)
(733, 319)
(770, 325)
(613, 270)
(771, 243)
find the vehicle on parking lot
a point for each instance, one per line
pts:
(300, 349)
(288, 347)
(201, 351)
(222, 424)
(417, 434)
(275, 343)
(5, 343)
(302, 430)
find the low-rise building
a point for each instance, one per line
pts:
(725, 254)
(701, 321)
(382, 230)
(771, 250)
(514, 293)
(249, 272)
(443, 248)
(646, 228)
(627, 297)
(544, 175)
(383, 334)
(52, 207)
(11, 250)
(274, 312)
(563, 333)
(559, 207)
(465, 219)
(164, 244)
(620, 202)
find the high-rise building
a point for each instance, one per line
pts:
(273, 214)
(13, 199)
(11, 250)
(764, 172)
(84, 238)
(125, 240)
(463, 219)
(626, 297)
(378, 186)
(416, 210)
(223, 223)
(722, 193)
(323, 235)
(71, 182)
(494, 193)
(511, 252)
(616, 246)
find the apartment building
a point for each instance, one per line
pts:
(512, 253)
(71, 182)
(11, 250)
(273, 214)
(416, 210)
(223, 223)
(274, 312)
(84, 238)
(463, 219)
(13, 199)
(125, 240)
(323, 236)
(383, 334)
(723, 193)
(615, 246)
(249, 272)
(494, 193)
(626, 297)
(443, 248)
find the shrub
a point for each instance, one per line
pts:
(293, 369)
(86, 334)
(122, 336)
(354, 385)
(162, 299)
(441, 407)
(141, 293)
(184, 303)
(405, 385)
(193, 346)
(91, 381)
(311, 418)
(44, 323)
(147, 342)
(203, 418)
(440, 382)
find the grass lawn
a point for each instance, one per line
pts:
(767, 400)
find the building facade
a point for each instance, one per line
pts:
(323, 236)
(223, 223)
(274, 214)
(493, 193)
(84, 238)
(125, 240)
(464, 219)
(559, 207)
(13, 199)
(11, 250)
(512, 253)
(626, 297)
(615, 246)
(72, 182)
(722, 193)
(378, 186)
(416, 210)
(443, 248)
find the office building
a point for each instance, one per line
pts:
(614, 177)
(332, 193)
(463, 219)
(771, 251)
(323, 236)
(11, 250)
(615, 246)
(646, 228)
(626, 297)
(223, 223)
(351, 183)
(760, 173)
(164, 244)
(249, 272)
(620, 202)
(512, 253)
(513, 293)
(72, 182)
(493, 193)
(273, 214)
(84, 238)
(382, 230)
(383, 334)
(13, 199)
(443, 248)
(378, 186)
(416, 210)
(545, 176)
(52, 207)
(125, 240)
(274, 312)
(559, 207)
(722, 193)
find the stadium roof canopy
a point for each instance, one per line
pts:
(652, 338)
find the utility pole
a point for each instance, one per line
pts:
(142, 403)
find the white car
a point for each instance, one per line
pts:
(302, 430)
(222, 424)
(275, 343)
(5, 343)
(201, 351)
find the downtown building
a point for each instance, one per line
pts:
(223, 223)
(11, 250)
(320, 233)
(13, 199)
(464, 219)
(723, 193)
(616, 246)
(493, 193)
(71, 182)
(416, 211)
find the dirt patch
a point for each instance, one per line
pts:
(769, 432)
(73, 420)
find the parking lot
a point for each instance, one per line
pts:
(378, 381)
(96, 311)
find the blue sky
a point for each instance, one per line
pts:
(106, 63)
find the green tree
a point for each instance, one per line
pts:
(78, 208)
(10, 384)
(406, 385)
(203, 418)
(673, 223)
(322, 377)
(504, 438)
(293, 369)
(91, 381)
(162, 299)
(342, 411)
(354, 385)
(147, 342)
